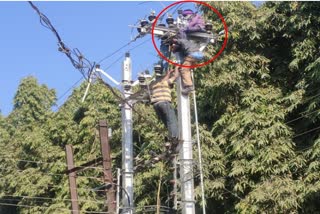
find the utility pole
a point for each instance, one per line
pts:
(185, 156)
(107, 168)
(127, 145)
(72, 181)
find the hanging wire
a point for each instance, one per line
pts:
(80, 64)
(75, 56)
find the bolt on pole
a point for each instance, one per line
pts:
(127, 145)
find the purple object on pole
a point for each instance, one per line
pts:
(187, 12)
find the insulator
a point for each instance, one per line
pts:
(139, 29)
(151, 18)
(127, 87)
(143, 22)
(141, 79)
(161, 25)
(169, 20)
(157, 68)
(208, 26)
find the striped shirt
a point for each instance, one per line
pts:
(160, 90)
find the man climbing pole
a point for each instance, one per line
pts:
(189, 53)
(189, 50)
(161, 101)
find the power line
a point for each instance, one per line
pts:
(306, 132)
(79, 188)
(50, 163)
(60, 174)
(44, 207)
(290, 121)
(118, 59)
(75, 56)
(80, 63)
(47, 198)
(67, 91)
(73, 86)
(116, 51)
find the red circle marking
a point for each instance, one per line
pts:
(197, 65)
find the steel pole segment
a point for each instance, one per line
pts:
(186, 159)
(118, 190)
(127, 145)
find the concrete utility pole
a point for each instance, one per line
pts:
(127, 147)
(186, 160)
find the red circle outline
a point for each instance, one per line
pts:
(197, 65)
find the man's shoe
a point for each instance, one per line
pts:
(178, 147)
(186, 90)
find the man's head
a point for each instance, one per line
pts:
(187, 12)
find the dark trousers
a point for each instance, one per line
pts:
(167, 115)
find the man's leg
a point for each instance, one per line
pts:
(161, 112)
(186, 76)
(171, 121)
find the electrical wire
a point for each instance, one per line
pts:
(118, 59)
(116, 51)
(75, 56)
(60, 174)
(78, 188)
(44, 207)
(306, 132)
(50, 163)
(47, 198)
(79, 65)
(67, 91)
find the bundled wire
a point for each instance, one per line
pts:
(85, 66)
(75, 56)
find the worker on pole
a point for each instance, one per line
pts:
(188, 50)
(161, 100)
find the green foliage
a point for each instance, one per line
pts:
(258, 106)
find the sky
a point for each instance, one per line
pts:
(97, 29)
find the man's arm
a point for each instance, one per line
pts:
(174, 76)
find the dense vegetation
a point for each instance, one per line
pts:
(258, 106)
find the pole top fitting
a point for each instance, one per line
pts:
(127, 54)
